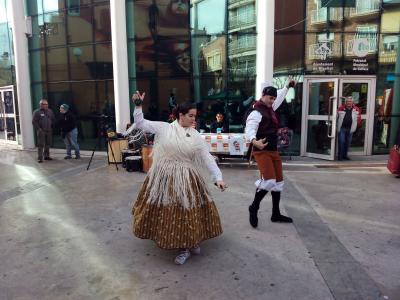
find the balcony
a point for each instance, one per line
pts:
(242, 21)
(242, 45)
(388, 57)
(325, 50)
(367, 48)
(365, 9)
(237, 3)
(320, 16)
(243, 72)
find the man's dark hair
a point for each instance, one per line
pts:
(270, 91)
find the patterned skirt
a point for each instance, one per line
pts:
(173, 226)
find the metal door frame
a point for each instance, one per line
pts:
(368, 116)
(10, 88)
(306, 117)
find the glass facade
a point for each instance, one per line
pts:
(199, 50)
(6, 50)
(342, 40)
(159, 53)
(205, 51)
(361, 40)
(71, 62)
(387, 105)
(289, 61)
(224, 43)
(9, 114)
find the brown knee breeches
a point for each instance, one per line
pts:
(270, 164)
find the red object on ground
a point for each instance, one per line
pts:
(393, 164)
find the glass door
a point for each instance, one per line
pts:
(323, 97)
(8, 126)
(319, 124)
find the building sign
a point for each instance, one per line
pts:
(338, 3)
(323, 51)
(360, 49)
(360, 65)
(322, 66)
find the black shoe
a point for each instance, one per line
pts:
(77, 157)
(68, 157)
(48, 158)
(39, 160)
(281, 219)
(253, 216)
(346, 158)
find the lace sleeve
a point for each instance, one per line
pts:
(211, 165)
(146, 125)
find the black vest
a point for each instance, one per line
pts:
(268, 127)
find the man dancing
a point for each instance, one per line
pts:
(262, 126)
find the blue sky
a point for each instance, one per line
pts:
(211, 15)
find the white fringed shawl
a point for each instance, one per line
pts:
(177, 160)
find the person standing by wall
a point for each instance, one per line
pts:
(69, 131)
(349, 118)
(43, 121)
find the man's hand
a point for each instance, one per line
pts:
(221, 185)
(260, 144)
(137, 98)
(291, 82)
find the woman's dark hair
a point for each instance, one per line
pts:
(183, 108)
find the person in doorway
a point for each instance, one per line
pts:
(43, 121)
(262, 131)
(174, 207)
(349, 118)
(69, 131)
(219, 123)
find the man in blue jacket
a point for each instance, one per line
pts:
(69, 131)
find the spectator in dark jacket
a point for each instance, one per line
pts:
(43, 121)
(219, 123)
(69, 131)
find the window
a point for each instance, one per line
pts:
(323, 37)
(390, 43)
(246, 14)
(366, 31)
(217, 59)
(73, 7)
(370, 33)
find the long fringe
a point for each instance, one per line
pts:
(178, 171)
(174, 182)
